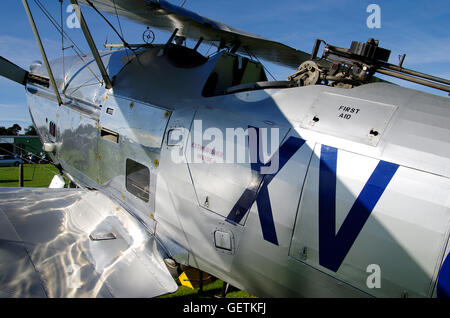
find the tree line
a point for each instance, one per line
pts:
(15, 129)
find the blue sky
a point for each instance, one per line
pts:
(417, 28)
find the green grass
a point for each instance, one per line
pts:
(35, 175)
(40, 176)
(213, 289)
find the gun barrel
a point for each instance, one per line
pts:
(415, 73)
(414, 79)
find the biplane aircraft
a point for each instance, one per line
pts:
(332, 183)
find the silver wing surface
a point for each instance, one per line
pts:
(75, 243)
(165, 16)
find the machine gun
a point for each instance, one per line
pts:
(347, 68)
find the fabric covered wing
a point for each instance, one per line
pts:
(75, 243)
(165, 16)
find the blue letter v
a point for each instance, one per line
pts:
(334, 247)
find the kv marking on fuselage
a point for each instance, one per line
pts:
(332, 247)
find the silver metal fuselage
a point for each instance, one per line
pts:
(189, 203)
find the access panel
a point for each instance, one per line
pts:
(225, 171)
(351, 118)
(360, 217)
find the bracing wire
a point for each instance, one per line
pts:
(118, 21)
(56, 25)
(257, 59)
(125, 43)
(207, 52)
(74, 47)
(62, 42)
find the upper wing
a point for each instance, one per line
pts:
(163, 15)
(60, 243)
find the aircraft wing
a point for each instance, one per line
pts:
(75, 243)
(163, 15)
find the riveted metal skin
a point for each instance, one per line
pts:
(378, 149)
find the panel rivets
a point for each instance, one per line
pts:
(304, 254)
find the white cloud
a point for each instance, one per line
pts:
(23, 52)
(14, 112)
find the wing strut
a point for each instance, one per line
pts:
(88, 36)
(41, 47)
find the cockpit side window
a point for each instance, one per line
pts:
(231, 70)
(138, 180)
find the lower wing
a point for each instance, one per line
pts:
(75, 243)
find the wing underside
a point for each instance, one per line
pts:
(75, 243)
(165, 16)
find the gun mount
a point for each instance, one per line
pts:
(347, 68)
